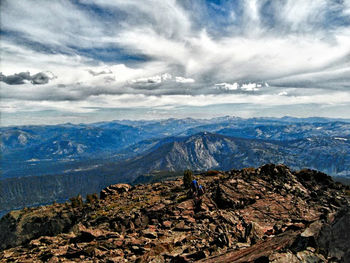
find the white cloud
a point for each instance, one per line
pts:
(166, 17)
(195, 54)
(299, 13)
(58, 23)
(251, 87)
(164, 78)
(150, 80)
(227, 86)
(99, 72)
(346, 9)
(243, 87)
(139, 100)
(184, 80)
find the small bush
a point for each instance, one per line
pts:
(212, 173)
(187, 179)
(76, 201)
(91, 198)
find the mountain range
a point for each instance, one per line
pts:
(42, 164)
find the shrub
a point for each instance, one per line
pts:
(91, 198)
(76, 201)
(187, 179)
(212, 173)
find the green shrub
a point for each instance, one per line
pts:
(187, 179)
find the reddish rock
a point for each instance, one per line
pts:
(186, 207)
(115, 189)
(252, 215)
(156, 208)
(167, 224)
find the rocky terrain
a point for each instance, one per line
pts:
(269, 214)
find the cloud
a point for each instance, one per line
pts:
(150, 80)
(227, 86)
(25, 77)
(251, 87)
(97, 73)
(140, 101)
(165, 79)
(15, 79)
(241, 87)
(184, 80)
(158, 49)
(40, 78)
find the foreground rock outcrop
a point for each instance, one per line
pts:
(269, 214)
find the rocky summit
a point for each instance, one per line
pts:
(268, 214)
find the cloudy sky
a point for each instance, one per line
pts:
(95, 60)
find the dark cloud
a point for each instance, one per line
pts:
(40, 78)
(97, 73)
(109, 79)
(16, 79)
(21, 78)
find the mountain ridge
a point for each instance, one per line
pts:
(96, 155)
(267, 214)
(201, 151)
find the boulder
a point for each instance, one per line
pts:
(115, 189)
(334, 237)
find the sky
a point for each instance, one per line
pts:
(99, 60)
